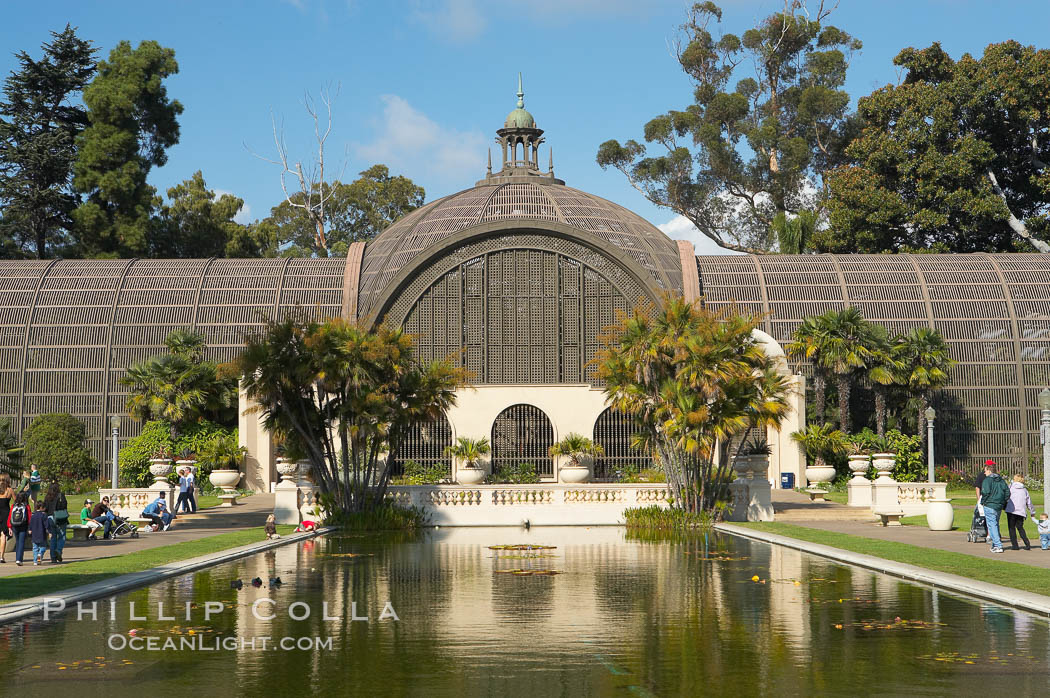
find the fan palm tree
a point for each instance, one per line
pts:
(820, 442)
(843, 352)
(881, 372)
(924, 367)
(806, 343)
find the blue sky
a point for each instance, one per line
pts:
(425, 83)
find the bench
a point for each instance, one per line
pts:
(77, 532)
(817, 495)
(890, 517)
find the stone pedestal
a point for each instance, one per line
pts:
(286, 495)
(858, 489)
(884, 488)
(160, 469)
(760, 503)
(738, 497)
(309, 506)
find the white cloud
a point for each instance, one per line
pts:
(454, 20)
(679, 228)
(409, 139)
(244, 215)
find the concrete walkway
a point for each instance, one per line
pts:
(250, 512)
(842, 519)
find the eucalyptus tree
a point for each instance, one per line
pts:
(742, 153)
(345, 395)
(694, 379)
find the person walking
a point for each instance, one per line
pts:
(994, 495)
(1017, 509)
(182, 504)
(56, 507)
(7, 496)
(18, 524)
(38, 528)
(191, 492)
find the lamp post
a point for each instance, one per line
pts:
(114, 423)
(1044, 439)
(930, 415)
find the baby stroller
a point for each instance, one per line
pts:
(978, 528)
(123, 527)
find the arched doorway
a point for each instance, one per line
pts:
(523, 434)
(424, 443)
(613, 430)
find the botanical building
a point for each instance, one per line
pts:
(516, 277)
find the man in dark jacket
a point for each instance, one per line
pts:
(38, 527)
(994, 493)
(103, 515)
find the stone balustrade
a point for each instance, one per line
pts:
(128, 502)
(914, 497)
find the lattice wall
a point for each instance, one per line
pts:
(70, 328)
(613, 431)
(511, 314)
(523, 434)
(993, 310)
(425, 444)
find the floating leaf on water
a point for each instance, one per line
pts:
(529, 573)
(522, 547)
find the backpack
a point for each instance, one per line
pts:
(19, 515)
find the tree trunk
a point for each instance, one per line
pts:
(844, 384)
(820, 391)
(880, 410)
(1013, 221)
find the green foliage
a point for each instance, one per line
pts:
(756, 144)
(132, 124)
(221, 451)
(516, 474)
(795, 233)
(822, 443)
(198, 223)
(40, 119)
(353, 212)
(56, 444)
(344, 393)
(10, 452)
(418, 474)
(385, 517)
(136, 453)
(576, 446)
(657, 518)
(468, 450)
(950, 159)
(180, 388)
(694, 379)
(910, 465)
(956, 479)
(631, 473)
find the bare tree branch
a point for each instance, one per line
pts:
(1013, 221)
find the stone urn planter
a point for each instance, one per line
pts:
(574, 474)
(305, 469)
(883, 463)
(818, 475)
(858, 465)
(287, 469)
(186, 463)
(759, 466)
(470, 476)
(160, 469)
(226, 480)
(742, 466)
(940, 516)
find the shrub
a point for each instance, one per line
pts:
(956, 479)
(417, 474)
(632, 473)
(388, 517)
(516, 474)
(55, 443)
(657, 518)
(136, 453)
(910, 465)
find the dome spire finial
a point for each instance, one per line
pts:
(521, 94)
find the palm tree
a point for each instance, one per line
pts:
(469, 450)
(222, 452)
(881, 372)
(575, 447)
(843, 352)
(924, 367)
(806, 343)
(793, 234)
(820, 442)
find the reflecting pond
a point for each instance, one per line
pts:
(715, 616)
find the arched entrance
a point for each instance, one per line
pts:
(523, 434)
(425, 444)
(613, 431)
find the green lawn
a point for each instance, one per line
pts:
(958, 497)
(50, 579)
(994, 571)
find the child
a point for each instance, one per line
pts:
(34, 484)
(305, 527)
(271, 528)
(38, 528)
(1042, 525)
(86, 520)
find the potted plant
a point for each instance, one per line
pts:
(187, 459)
(224, 456)
(752, 456)
(820, 441)
(580, 452)
(160, 465)
(468, 453)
